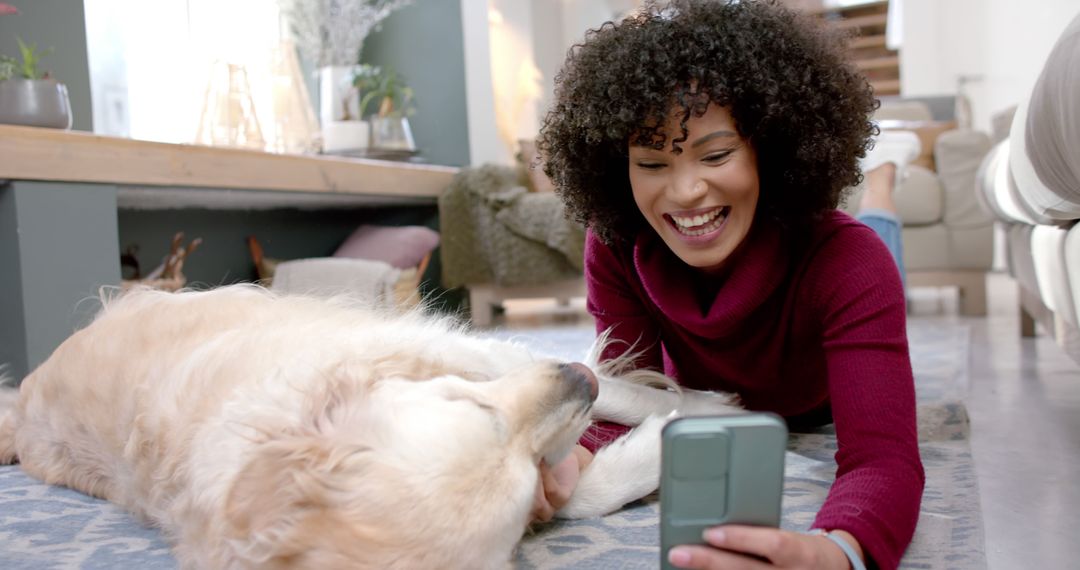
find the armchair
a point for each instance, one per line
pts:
(947, 236)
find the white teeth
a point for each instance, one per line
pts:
(696, 220)
(701, 224)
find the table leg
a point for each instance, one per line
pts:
(58, 247)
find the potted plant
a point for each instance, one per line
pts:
(29, 96)
(389, 123)
(330, 34)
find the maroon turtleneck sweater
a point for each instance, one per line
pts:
(812, 328)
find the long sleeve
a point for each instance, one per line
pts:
(615, 306)
(879, 479)
(803, 326)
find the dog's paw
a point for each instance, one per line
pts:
(706, 403)
(626, 470)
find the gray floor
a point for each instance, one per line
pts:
(1024, 401)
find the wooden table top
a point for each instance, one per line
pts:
(29, 153)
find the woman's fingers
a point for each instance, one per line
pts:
(708, 558)
(782, 548)
(557, 483)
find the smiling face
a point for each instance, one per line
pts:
(702, 201)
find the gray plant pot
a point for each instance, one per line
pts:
(35, 103)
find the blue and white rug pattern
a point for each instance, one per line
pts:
(45, 527)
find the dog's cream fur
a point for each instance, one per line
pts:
(264, 431)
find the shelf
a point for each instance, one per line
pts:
(71, 156)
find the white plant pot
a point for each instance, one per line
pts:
(345, 135)
(335, 85)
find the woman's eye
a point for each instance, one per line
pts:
(650, 165)
(716, 157)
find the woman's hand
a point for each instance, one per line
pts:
(750, 547)
(557, 483)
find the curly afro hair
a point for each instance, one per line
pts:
(782, 75)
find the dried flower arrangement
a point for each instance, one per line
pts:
(332, 32)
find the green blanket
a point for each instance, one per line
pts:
(495, 231)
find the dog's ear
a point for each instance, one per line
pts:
(288, 495)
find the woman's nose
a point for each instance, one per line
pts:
(690, 189)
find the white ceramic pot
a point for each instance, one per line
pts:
(345, 135)
(35, 103)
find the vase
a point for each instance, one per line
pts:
(337, 96)
(294, 127)
(35, 103)
(339, 111)
(392, 133)
(228, 115)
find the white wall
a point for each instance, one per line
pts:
(549, 47)
(506, 43)
(560, 24)
(1002, 42)
(515, 76)
(106, 45)
(484, 145)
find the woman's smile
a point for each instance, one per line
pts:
(699, 226)
(701, 199)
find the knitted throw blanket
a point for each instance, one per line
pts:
(495, 231)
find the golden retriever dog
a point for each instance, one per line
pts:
(259, 430)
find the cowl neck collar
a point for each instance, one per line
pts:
(751, 276)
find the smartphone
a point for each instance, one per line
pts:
(719, 470)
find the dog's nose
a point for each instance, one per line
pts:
(577, 371)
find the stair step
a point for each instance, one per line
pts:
(889, 62)
(886, 87)
(862, 42)
(861, 21)
(866, 6)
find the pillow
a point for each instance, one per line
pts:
(400, 246)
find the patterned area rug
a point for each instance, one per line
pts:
(950, 529)
(43, 527)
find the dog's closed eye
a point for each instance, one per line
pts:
(493, 413)
(458, 396)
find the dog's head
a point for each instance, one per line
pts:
(437, 473)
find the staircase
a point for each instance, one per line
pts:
(866, 22)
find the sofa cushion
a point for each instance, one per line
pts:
(993, 182)
(1048, 255)
(940, 248)
(919, 200)
(1021, 260)
(1046, 134)
(1072, 267)
(1040, 203)
(959, 153)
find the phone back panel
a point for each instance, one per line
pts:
(717, 470)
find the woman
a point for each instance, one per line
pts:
(706, 145)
